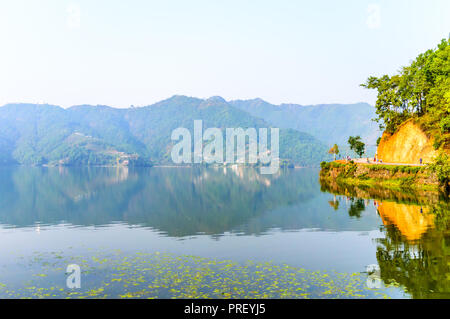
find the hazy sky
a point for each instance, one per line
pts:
(127, 52)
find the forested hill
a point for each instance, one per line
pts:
(101, 135)
(330, 123)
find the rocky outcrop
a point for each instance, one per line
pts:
(407, 145)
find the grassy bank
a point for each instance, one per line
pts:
(387, 176)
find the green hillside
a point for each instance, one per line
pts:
(101, 135)
(330, 123)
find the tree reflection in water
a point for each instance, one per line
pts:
(415, 252)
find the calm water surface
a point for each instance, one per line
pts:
(238, 215)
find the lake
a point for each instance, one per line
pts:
(216, 232)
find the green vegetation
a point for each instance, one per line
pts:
(357, 206)
(441, 166)
(421, 91)
(378, 141)
(426, 275)
(286, 164)
(391, 176)
(159, 275)
(330, 123)
(218, 203)
(326, 166)
(419, 266)
(334, 150)
(397, 168)
(100, 135)
(356, 145)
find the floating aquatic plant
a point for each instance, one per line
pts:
(157, 275)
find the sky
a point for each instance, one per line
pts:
(138, 52)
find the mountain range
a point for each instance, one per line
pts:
(330, 123)
(37, 134)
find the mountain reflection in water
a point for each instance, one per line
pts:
(230, 213)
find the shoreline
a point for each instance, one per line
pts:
(149, 166)
(395, 177)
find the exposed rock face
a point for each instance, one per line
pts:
(408, 145)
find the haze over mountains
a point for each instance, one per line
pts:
(330, 123)
(100, 135)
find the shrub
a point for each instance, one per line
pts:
(364, 177)
(445, 124)
(437, 142)
(378, 141)
(324, 165)
(441, 167)
(407, 181)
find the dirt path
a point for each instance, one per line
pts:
(364, 160)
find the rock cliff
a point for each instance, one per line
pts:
(407, 145)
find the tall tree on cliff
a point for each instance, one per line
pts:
(334, 150)
(420, 89)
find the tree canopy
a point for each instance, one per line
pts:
(421, 89)
(334, 150)
(356, 145)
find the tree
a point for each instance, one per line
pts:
(357, 206)
(334, 150)
(441, 167)
(356, 145)
(378, 141)
(420, 89)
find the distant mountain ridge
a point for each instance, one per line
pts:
(101, 135)
(330, 123)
